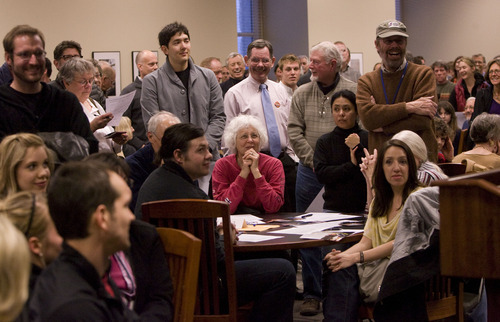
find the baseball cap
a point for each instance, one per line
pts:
(390, 28)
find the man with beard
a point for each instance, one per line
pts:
(310, 118)
(400, 95)
(27, 104)
(267, 100)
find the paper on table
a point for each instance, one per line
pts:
(257, 227)
(323, 234)
(256, 238)
(324, 216)
(117, 105)
(305, 229)
(238, 220)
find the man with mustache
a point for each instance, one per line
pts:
(400, 95)
(310, 118)
(27, 104)
(248, 97)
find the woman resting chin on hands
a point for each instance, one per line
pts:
(250, 181)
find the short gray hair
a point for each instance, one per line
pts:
(239, 123)
(485, 127)
(330, 52)
(232, 55)
(75, 66)
(158, 118)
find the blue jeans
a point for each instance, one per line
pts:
(341, 293)
(307, 188)
(270, 284)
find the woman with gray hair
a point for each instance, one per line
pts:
(78, 76)
(485, 133)
(249, 181)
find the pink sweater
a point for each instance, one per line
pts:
(265, 194)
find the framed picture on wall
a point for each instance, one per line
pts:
(356, 62)
(113, 58)
(135, 71)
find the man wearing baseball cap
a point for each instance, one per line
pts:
(399, 95)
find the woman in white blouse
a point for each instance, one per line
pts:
(78, 76)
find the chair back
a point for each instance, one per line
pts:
(462, 141)
(453, 169)
(199, 218)
(182, 251)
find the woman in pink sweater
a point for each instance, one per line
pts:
(251, 182)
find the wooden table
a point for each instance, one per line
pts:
(286, 241)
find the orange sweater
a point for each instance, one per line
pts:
(418, 82)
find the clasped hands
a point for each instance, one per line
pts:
(337, 260)
(250, 163)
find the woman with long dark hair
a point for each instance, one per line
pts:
(394, 179)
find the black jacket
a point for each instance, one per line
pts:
(345, 187)
(55, 111)
(70, 289)
(154, 291)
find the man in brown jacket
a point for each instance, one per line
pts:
(399, 95)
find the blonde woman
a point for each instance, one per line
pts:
(14, 270)
(25, 164)
(29, 213)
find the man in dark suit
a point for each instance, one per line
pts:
(146, 62)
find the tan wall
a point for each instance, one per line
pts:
(353, 22)
(446, 29)
(125, 26)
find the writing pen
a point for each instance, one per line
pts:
(305, 216)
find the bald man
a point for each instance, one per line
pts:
(146, 62)
(108, 77)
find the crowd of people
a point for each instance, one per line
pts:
(229, 133)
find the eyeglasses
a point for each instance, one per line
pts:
(257, 60)
(26, 55)
(66, 57)
(494, 72)
(84, 82)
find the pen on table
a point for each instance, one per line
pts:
(305, 216)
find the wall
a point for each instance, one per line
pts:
(445, 29)
(285, 26)
(353, 22)
(126, 26)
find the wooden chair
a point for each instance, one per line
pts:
(453, 169)
(444, 299)
(462, 141)
(182, 250)
(199, 218)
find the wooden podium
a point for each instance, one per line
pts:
(470, 231)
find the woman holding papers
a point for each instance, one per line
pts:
(394, 179)
(78, 75)
(251, 182)
(337, 157)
